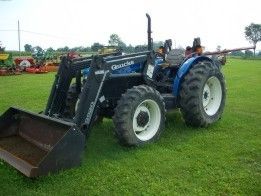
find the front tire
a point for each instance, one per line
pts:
(139, 116)
(202, 95)
(71, 102)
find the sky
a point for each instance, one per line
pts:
(59, 23)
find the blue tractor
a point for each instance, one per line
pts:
(135, 90)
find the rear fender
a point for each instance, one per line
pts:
(183, 70)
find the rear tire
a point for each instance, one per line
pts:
(202, 95)
(139, 116)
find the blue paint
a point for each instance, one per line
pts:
(137, 68)
(134, 68)
(85, 72)
(159, 61)
(184, 69)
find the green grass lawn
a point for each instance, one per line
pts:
(223, 159)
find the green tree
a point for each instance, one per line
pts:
(64, 49)
(140, 48)
(76, 49)
(130, 49)
(50, 49)
(28, 48)
(96, 46)
(37, 49)
(114, 40)
(157, 44)
(87, 49)
(253, 34)
(237, 53)
(248, 54)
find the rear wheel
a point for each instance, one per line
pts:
(202, 95)
(139, 116)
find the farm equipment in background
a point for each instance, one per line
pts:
(218, 56)
(40, 62)
(123, 88)
(7, 66)
(73, 55)
(46, 61)
(24, 62)
(36, 69)
(110, 50)
(30, 65)
(51, 61)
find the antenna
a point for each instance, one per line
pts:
(19, 38)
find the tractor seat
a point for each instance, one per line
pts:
(175, 57)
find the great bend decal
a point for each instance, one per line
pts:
(119, 66)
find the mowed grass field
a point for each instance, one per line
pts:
(223, 159)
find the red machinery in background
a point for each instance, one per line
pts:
(28, 64)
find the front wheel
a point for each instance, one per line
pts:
(139, 116)
(72, 103)
(202, 95)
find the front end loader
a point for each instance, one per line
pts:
(135, 90)
(37, 144)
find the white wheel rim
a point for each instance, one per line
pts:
(151, 112)
(25, 63)
(212, 95)
(77, 105)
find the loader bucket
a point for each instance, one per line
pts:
(36, 144)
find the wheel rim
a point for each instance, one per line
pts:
(212, 95)
(76, 105)
(25, 63)
(146, 120)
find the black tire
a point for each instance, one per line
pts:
(70, 104)
(201, 106)
(147, 105)
(71, 100)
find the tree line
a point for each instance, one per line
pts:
(114, 40)
(252, 34)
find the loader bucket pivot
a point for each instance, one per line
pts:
(36, 144)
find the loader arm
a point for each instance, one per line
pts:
(91, 94)
(69, 69)
(37, 144)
